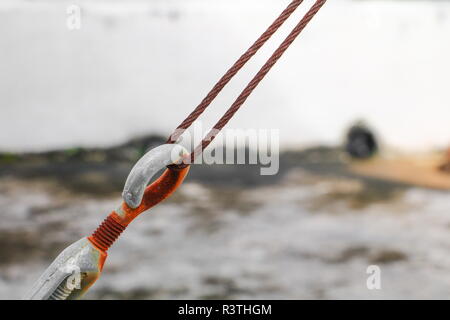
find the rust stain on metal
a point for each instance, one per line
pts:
(112, 227)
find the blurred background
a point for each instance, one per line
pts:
(362, 104)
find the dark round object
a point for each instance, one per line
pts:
(361, 142)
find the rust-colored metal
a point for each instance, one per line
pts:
(253, 83)
(158, 191)
(218, 87)
(112, 227)
(88, 255)
(107, 233)
(257, 78)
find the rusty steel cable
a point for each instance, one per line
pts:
(258, 78)
(252, 84)
(234, 70)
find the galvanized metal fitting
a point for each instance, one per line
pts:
(71, 274)
(76, 269)
(144, 170)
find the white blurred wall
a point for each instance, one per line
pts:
(140, 67)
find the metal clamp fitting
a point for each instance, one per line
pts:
(144, 170)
